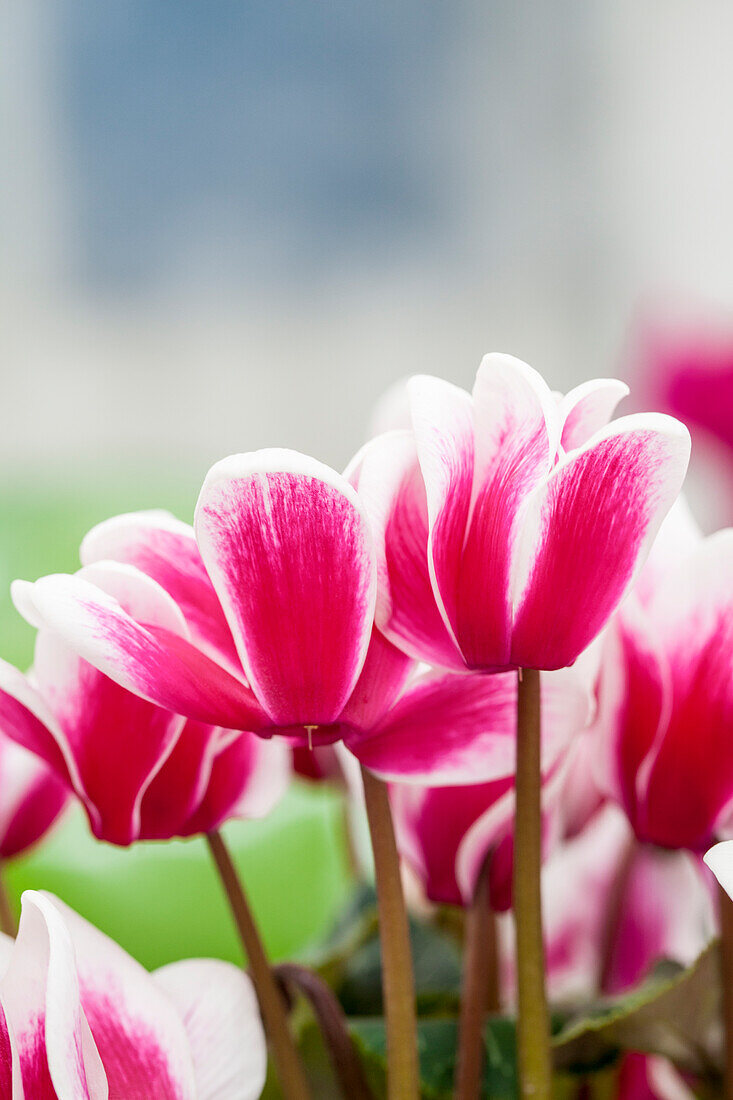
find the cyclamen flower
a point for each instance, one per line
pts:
(667, 692)
(140, 771)
(508, 523)
(31, 799)
(81, 1020)
(262, 619)
(613, 908)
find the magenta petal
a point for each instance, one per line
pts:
(690, 771)
(249, 776)
(165, 549)
(26, 719)
(33, 797)
(382, 678)
(290, 554)
(431, 823)
(391, 485)
(138, 1032)
(588, 408)
(41, 997)
(516, 441)
(666, 913)
(149, 656)
(443, 428)
(586, 531)
(453, 729)
(634, 704)
(117, 739)
(177, 789)
(11, 1085)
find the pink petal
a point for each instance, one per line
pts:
(26, 718)
(634, 707)
(33, 797)
(290, 553)
(165, 549)
(516, 442)
(177, 789)
(248, 778)
(586, 531)
(431, 823)
(383, 676)
(150, 657)
(391, 486)
(443, 427)
(666, 913)
(11, 1084)
(577, 884)
(588, 408)
(218, 1006)
(451, 729)
(118, 740)
(689, 781)
(139, 1034)
(40, 994)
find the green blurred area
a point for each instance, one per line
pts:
(161, 901)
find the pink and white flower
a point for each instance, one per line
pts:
(666, 700)
(81, 1020)
(613, 908)
(262, 619)
(31, 798)
(140, 771)
(509, 524)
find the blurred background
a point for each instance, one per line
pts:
(232, 225)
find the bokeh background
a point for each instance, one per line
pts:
(232, 225)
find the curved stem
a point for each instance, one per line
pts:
(725, 906)
(533, 1022)
(480, 987)
(8, 921)
(270, 997)
(332, 1023)
(398, 983)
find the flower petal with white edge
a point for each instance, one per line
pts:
(139, 1034)
(588, 408)
(290, 552)
(41, 996)
(517, 435)
(33, 797)
(152, 660)
(218, 1006)
(451, 730)
(165, 549)
(249, 776)
(391, 485)
(586, 531)
(443, 429)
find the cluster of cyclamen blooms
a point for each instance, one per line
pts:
(493, 532)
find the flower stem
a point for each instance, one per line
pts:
(8, 922)
(480, 988)
(270, 997)
(725, 906)
(533, 1022)
(332, 1023)
(398, 983)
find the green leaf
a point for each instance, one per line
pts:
(673, 1014)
